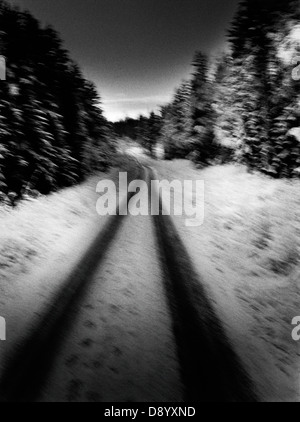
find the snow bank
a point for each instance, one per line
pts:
(248, 252)
(41, 240)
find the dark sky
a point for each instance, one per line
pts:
(136, 51)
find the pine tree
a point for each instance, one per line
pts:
(229, 132)
(265, 88)
(52, 130)
(177, 126)
(202, 111)
(149, 131)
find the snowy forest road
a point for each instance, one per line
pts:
(133, 324)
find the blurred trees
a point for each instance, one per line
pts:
(150, 131)
(202, 110)
(177, 125)
(52, 131)
(245, 105)
(145, 130)
(187, 128)
(269, 95)
(227, 105)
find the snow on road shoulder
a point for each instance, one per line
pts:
(247, 252)
(41, 241)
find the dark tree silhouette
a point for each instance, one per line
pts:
(52, 130)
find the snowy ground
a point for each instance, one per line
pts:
(41, 241)
(247, 252)
(131, 148)
(121, 346)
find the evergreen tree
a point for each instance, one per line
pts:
(202, 111)
(264, 82)
(229, 132)
(177, 127)
(52, 130)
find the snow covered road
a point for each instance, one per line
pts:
(131, 323)
(120, 346)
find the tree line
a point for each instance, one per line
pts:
(244, 105)
(144, 130)
(52, 130)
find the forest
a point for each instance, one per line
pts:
(242, 106)
(52, 130)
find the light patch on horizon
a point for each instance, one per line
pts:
(141, 100)
(114, 114)
(119, 108)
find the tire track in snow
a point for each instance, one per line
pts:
(31, 362)
(121, 346)
(211, 370)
